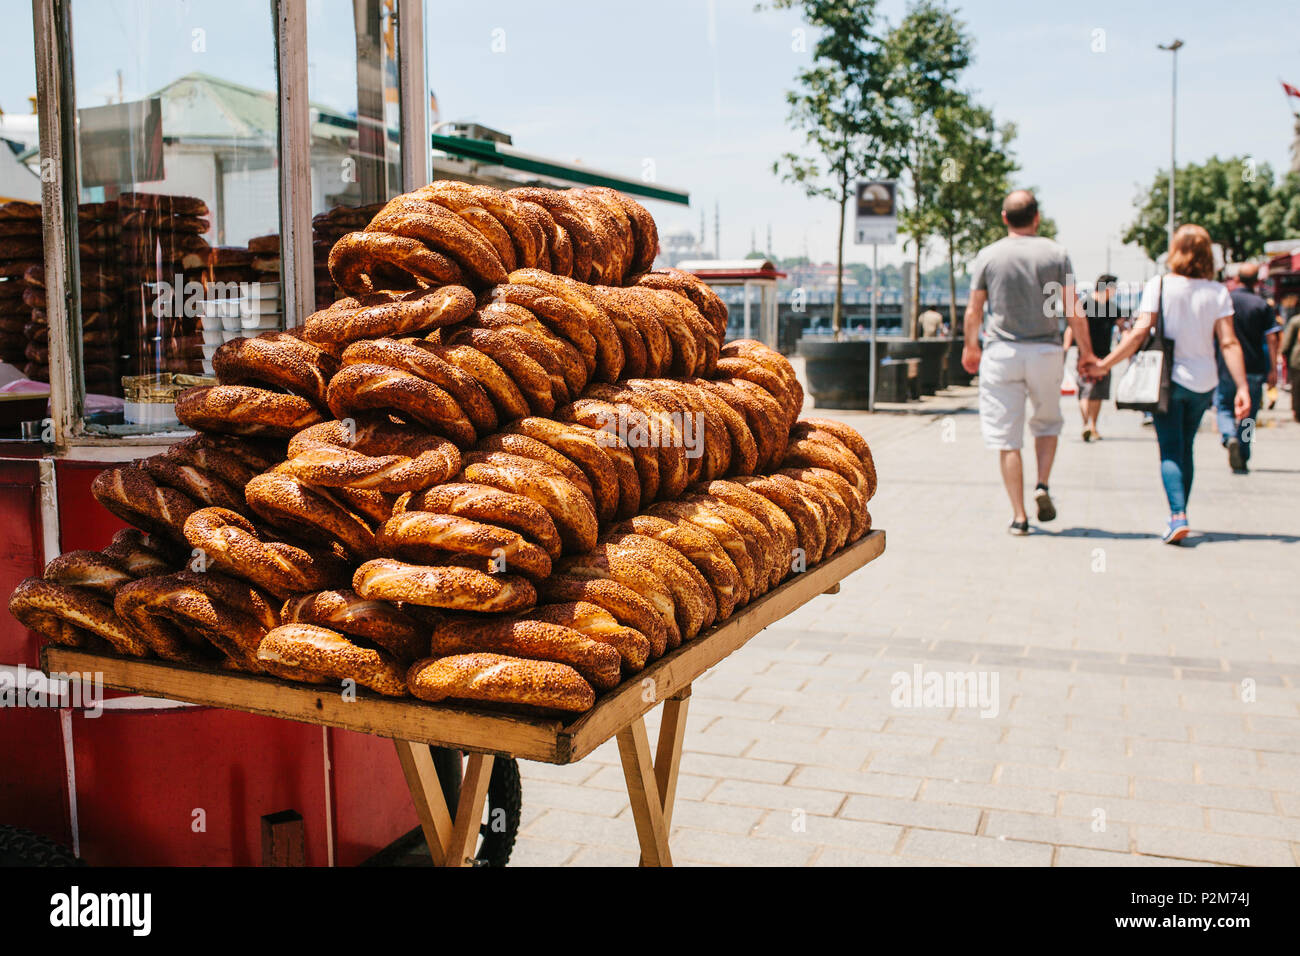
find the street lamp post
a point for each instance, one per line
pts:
(1173, 131)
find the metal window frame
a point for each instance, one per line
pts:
(56, 105)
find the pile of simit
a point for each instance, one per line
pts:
(514, 466)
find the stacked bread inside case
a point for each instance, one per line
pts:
(512, 467)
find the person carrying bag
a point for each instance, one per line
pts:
(1175, 373)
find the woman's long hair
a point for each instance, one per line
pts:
(1191, 254)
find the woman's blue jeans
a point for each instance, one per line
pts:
(1176, 432)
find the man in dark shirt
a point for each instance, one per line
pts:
(1252, 317)
(1102, 310)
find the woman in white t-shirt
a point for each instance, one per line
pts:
(1197, 310)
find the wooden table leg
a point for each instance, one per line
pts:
(426, 794)
(643, 792)
(469, 810)
(668, 754)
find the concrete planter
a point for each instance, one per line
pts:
(838, 372)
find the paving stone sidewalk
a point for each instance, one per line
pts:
(1147, 705)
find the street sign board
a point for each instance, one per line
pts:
(875, 220)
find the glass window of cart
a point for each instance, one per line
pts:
(355, 121)
(22, 338)
(179, 214)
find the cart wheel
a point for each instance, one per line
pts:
(19, 847)
(504, 804)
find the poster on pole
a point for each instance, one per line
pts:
(875, 220)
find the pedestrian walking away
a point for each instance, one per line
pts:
(1027, 282)
(1252, 319)
(1196, 311)
(1290, 350)
(1103, 311)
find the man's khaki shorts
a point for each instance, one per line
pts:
(1010, 373)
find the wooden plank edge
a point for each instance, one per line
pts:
(684, 665)
(459, 729)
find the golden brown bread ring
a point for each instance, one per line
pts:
(523, 229)
(835, 485)
(37, 603)
(653, 427)
(772, 360)
(373, 454)
(230, 542)
(242, 410)
(670, 311)
(813, 452)
(258, 454)
(787, 496)
(199, 451)
(555, 313)
(834, 511)
(617, 423)
(694, 288)
(568, 219)
(279, 360)
(704, 437)
(530, 377)
(137, 499)
(619, 565)
(784, 532)
(557, 251)
(718, 421)
(703, 550)
(459, 589)
(513, 447)
(744, 450)
(381, 388)
(285, 502)
(597, 662)
(326, 653)
(709, 521)
(621, 314)
(487, 225)
(645, 234)
(177, 613)
(558, 358)
(491, 505)
(766, 429)
(419, 533)
(348, 613)
(696, 608)
(206, 489)
(825, 429)
(639, 305)
(612, 233)
(624, 231)
(765, 378)
(357, 256)
(571, 510)
(373, 507)
(506, 397)
(627, 606)
(444, 232)
(598, 624)
(413, 356)
(575, 443)
(498, 679)
(757, 539)
(386, 314)
(137, 554)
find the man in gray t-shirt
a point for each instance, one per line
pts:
(1026, 282)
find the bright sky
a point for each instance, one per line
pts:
(697, 88)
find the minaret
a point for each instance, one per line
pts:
(717, 230)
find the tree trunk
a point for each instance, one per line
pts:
(839, 261)
(915, 318)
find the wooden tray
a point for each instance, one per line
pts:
(484, 733)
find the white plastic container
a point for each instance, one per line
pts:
(149, 413)
(263, 322)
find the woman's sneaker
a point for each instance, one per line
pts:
(1019, 528)
(1177, 529)
(1046, 510)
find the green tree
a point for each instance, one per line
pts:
(839, 107)
(971, 165)
(1234, 199)
(924, 54)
